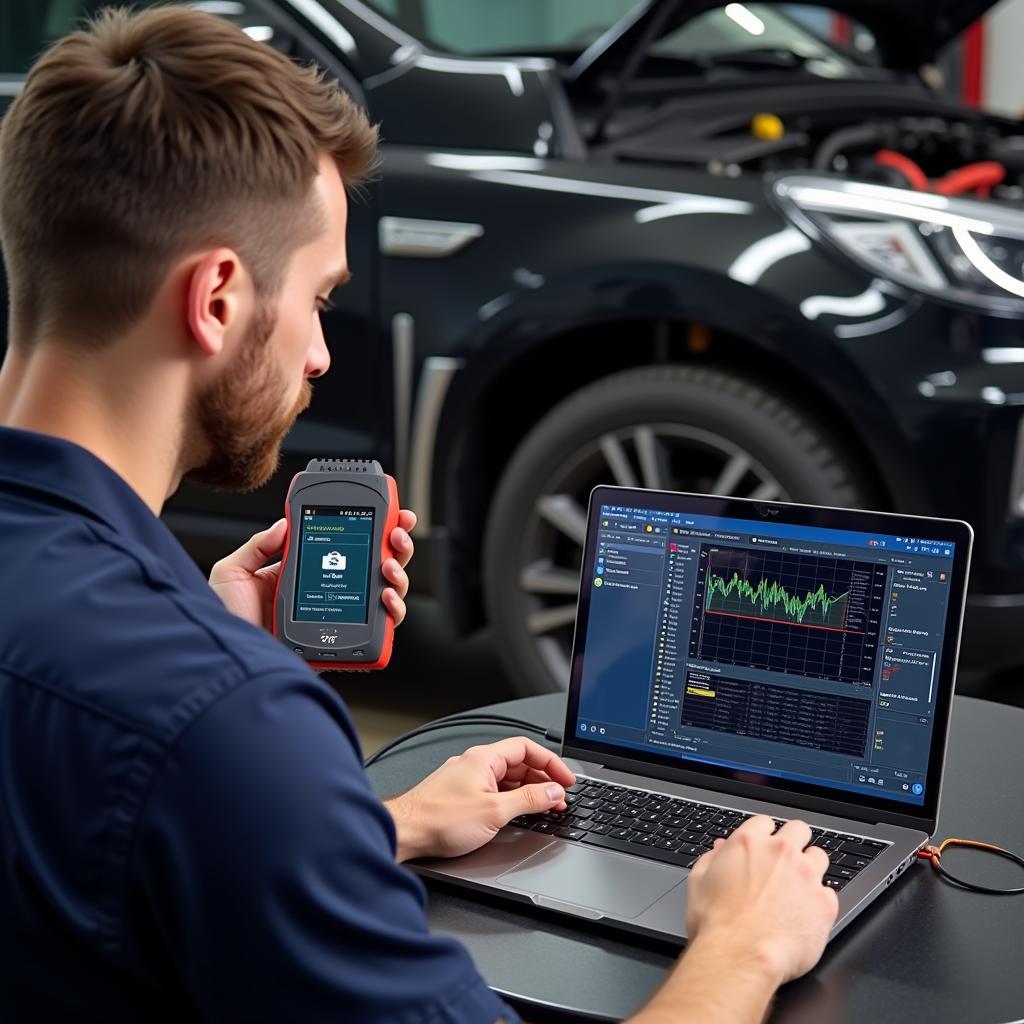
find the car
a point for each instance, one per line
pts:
(672, 243)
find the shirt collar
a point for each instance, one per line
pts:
(62, 472)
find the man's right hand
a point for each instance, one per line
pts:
(762, 894)
(757, 916)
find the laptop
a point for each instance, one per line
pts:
(735, 657)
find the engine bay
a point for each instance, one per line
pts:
(930, 145)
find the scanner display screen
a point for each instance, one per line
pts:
(333, 578)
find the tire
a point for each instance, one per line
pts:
(671, 427)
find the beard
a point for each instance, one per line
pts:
(237, 420)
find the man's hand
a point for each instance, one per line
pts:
(762, 895)
(245, 583)
(757, 916)
(463, 804)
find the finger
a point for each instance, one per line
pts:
(520, 750)
(407, 520)
(795, 833)
(394, 604)
(402, 545)
(530, 799)
(256, 551)
(758, 825)
(395, 574)
(819, 858)
(269, 572)
(705, 859)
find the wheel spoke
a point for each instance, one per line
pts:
(767, 490)
(545, 620)
(565, 514)
(731, 475)
(650, 457)
(542, 577)
(556, 658)
(618, 462)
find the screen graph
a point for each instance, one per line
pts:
(806, 615)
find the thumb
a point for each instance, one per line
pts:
(255, 552)
(533, 799)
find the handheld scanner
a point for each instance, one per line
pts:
(327, 605)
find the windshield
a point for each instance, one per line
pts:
(568, 27)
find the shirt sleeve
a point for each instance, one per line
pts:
(266, 865)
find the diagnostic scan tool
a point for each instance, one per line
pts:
(327, 607)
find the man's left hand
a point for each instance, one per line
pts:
(246, 584)
(462, 805)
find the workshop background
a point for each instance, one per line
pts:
(587, 260)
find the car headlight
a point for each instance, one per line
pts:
(963, 250)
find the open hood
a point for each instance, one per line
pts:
(909, 32)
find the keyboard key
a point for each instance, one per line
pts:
(603, 816)
(623, 833)
(834, 883)
(852, 861)
(523, 821)
(840, 872)
(642, 839)
(675, 857)
(547, 827)
(589, 801)
(860, 849)
(594, 791)
(645, 826)
(570, 833)
(667, 844)
(649, 815)
(580, 813)
(719, 831)
(599, 829)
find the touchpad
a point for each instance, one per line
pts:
(591, 878)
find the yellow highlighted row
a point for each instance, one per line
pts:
(696, 691)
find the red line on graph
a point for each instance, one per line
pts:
(786, 622)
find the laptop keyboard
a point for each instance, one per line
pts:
(673, 830)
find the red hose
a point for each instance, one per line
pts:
(979, 177)
(916, 178)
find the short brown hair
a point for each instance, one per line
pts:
(145, 135)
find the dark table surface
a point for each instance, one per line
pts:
(925, 951)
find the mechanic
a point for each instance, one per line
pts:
(186, 830)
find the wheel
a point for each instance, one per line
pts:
(669, 427)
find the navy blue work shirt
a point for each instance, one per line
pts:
(186, 830)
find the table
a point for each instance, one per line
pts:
(925, 951)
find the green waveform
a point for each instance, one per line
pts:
(770, 595)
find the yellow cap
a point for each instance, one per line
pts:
(767, 126)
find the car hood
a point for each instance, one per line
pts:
(909, 33)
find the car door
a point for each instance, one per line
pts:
(351, 410)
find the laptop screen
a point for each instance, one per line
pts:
(777, 650)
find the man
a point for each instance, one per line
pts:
(186, 832)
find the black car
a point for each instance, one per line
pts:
(675, 243)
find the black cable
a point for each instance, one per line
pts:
(553, 735)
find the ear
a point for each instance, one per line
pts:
(217, 293)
